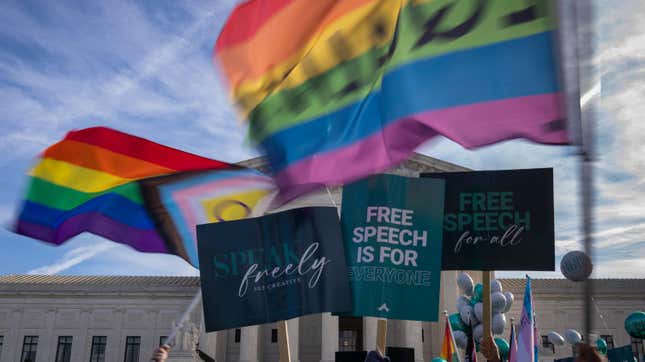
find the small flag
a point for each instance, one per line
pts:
(526, 334)
(536, 335)
(512, 351)
(449, 347)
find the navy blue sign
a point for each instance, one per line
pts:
(498, 220)
(272, 268)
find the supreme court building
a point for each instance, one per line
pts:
(123, 318)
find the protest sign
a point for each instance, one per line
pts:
(621, 354)
(392, 234)
(272, 268)
(498, 220)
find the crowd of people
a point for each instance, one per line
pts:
(488, 349)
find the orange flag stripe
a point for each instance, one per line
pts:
(292, 28)
(101, 159)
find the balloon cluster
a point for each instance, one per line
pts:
(573, 337)
(469, 316)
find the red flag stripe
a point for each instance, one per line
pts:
(144, 149)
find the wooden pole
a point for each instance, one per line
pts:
(381, 336)
(283, 342)
(486, 303)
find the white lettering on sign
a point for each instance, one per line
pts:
(307, 265)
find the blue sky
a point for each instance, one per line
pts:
(144, 67)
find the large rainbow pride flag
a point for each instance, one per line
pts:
(334, 90)
(105, 182)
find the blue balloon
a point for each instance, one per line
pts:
(438, 359)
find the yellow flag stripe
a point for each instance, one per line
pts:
(344, 39)
(76, 177)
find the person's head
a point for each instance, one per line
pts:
(587, 354)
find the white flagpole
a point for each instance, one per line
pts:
(184, 317)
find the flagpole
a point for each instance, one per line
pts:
(589, 88)
(175, 329)
(486, 303)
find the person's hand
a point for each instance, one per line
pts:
(489, 349)
(161, 354)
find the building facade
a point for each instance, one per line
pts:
(123, 318)
(559, 305)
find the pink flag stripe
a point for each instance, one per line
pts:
(206, 187)
(183, 198)
(522, 117)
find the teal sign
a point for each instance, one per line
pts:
(392, 230)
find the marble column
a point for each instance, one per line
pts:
(249, 344)
(84, 340)
(329, 337)
(412, 334)
(208, 342)
(114, 337)
(293, 328)
(12, 342)
(369, 333)
(48, 343)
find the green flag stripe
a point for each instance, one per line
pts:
(63, 198)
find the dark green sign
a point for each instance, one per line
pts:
(392, 234)
(272, 268)
(498, 220)
(621, 354)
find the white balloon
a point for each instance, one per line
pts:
(461, 339)
(468, 315)
(576, 266)
(510, 298)
(479, 311)
(497, 302)
(461, 301)
(495, 286)
(465, 283)
(555, 338)
(572, 337)
(498, 323)
(478, 332)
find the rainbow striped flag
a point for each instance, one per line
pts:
(449, 347)
(90, 182)
(334, 90)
